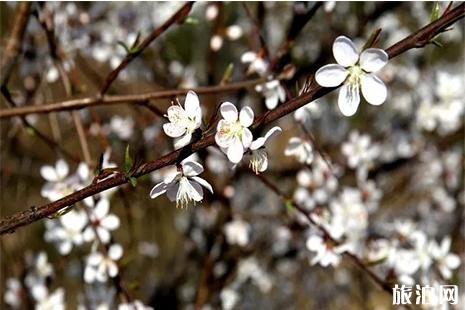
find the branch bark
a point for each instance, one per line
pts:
(418, 39)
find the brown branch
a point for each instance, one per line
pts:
(75, 104)
(9, 224)
(177, 17)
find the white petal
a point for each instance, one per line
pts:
(204, 183)
(172, 191)
(102, 208)
(115, 251)
(195, 191)
(110, 222)
(192, 104)
(349, 99)
(331, 75)
(103, 234)
(373, 59)
(221, 137)
(228, 111)
(158, 190)
(452, 261)
(65, 247)
(48, 173)
(112, 269)
(246, 116)
(183, 141)
(176, 113)
(272, 101)
(246, 138)
(262, 140)
(191, 168)
(373, 89)
(235, 151)
(173, 130)
(345, 52)
(61, 168)
(248, 57)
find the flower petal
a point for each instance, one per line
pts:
(204, 183)
(110, 222)
(331, 75)
(373, 89)
(101, 209)
(112, 269)
(183, 141)
(235, 151)
(176, 113)
(248, 57)
(48, 173)
(172, 191)
(192, 104)
(173, 130)
(191, 168)
(262, 140)
(61, 168)
(246, 138)
(373, 59)
(222, 138)
(195, 190)
(158, 190)
(271, 101)
(115, 252)
(344, 51)
(246, 116)
(349, 99)
(228, 111)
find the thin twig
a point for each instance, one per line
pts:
(419, 38)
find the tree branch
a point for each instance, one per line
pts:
(419, 38)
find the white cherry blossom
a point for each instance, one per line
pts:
(259, 154)
(273, 92)
(300, 149)
(257, 63)
(99, 266)
(184, 187)
(54, 301)
(355, 71)
(325, 254)
(184, 121)
(134, 305)
(237, 232)
(233, 136)
(445, 260)
(13, 293)
(101, 221)
(67, 231)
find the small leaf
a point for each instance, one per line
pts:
(191, 20)
(98, 169)
(30, 131)
(436, 42)
(435, 12)
(61, 212)
(136, 41)
(127, 160)
(123, 45)
(373, 39)
(227, 74)
(133, 181)
(289, 205)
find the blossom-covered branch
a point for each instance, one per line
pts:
(417, 39)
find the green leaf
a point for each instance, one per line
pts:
(227, 74)
(30, 131)
(436, 42)
(123, 45)
(133, 181)
(191, 20)
(289, 205)
(127, 160)
(136, 41)
(61, 212)
(435, 12)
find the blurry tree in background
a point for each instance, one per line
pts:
(207, 161)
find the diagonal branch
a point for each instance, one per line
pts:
(419, 38)
(177, 17)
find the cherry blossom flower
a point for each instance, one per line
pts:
(446, 261)
(101, 221)
(184, 187)
(300, 149)
(360, 152)
(229, 298)
(99, 266)
(67, 231)
(273, 92)
(257, 63)
(14, 293)
(123, 128)
(325, 254)
(355, 71)
(54, 301)
(232, 134)
(184, 121)
(259, 155)
(237, 232)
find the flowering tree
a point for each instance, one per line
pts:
(116, 112)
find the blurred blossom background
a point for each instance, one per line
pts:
(387, 182)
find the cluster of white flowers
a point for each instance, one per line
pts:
(361, 153)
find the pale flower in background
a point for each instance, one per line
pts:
(67, 231)
(300, 149)
(184, 187)
(14, 293)
(259, 155)
(54, 301)
(232, 134)
(325, 254)
(229, 298)
(355, 71)
(184, 121)
(273, 92)
(134, 305)
(237, 232)
(101, 221)
(101, 266)
(445, 260)
(257, 63)
(122, 127)
(359, 150)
